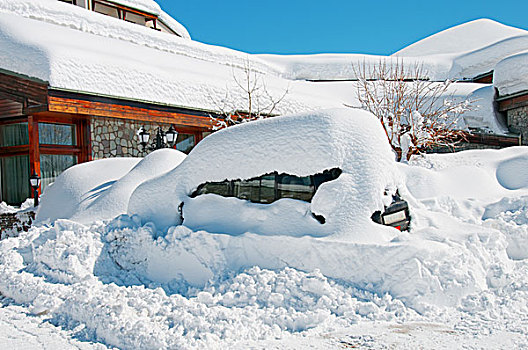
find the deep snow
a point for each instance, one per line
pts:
(459, 278)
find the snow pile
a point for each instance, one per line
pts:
(349, 139)
(80, 185)
(101, 189)
(6, 208)
(461, 52)
(127, 284)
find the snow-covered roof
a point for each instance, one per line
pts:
(511, 74)
(465, 37)
(63, 14)
(78, 50)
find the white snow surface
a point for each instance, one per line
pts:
(461, 52)
(459, 278)
(465, 37)
(510, 74)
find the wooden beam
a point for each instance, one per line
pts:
(60, 149)
(124, 8)
(22, 89)
(34, 150)
(14, 150)
(119, 111)
(514, 102)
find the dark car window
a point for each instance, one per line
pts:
(270, 187)
(295, 187)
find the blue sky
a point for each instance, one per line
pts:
(309, 26)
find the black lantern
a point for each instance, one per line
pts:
(171, 135)
(34, 180)
(162, 139)
(143, 136)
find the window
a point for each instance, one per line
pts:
(185, 142)
(270, 187)
(289, 186)
(51, 165)
(14, 182)
(267, 188)
(57, 134)
(14, 134)
(247, 189)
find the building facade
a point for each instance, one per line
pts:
(45, 131)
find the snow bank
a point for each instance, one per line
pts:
(471, 64)
(100, 190)
(465, 37)
(348, 139)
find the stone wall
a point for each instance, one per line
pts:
(518, 122)
(117, 137)
(11, 224)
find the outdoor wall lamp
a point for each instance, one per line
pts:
(162, 139)
(34, 180)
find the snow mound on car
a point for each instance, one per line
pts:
(100, 190)
(305, 144)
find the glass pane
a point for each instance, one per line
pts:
(14, 134)
(51, 165)
(295, 187)
(57, 134)
(248, 189)
(219, 188)
(267, 189)
(15, 179)
(185, 143)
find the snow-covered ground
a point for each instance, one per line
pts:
(458, 279)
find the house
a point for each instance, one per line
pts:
(46, 126)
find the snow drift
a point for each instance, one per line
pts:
(126, 284)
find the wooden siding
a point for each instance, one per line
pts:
(519, 100)
(123, 111)
(492, 140)
(9, 109)
(23, 90)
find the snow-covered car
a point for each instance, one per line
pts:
(317, 174)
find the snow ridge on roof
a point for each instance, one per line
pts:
(461, 38)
